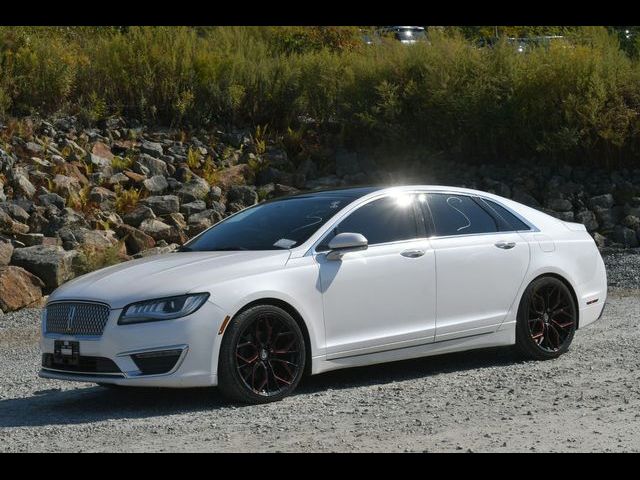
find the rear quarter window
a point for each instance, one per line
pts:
(513, 222)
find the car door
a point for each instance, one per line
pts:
(381, 298)
(481, 262)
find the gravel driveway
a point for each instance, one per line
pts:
(489, 400)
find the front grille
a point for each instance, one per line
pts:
(85, 364)
(75, 318)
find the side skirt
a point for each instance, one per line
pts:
(505, 335)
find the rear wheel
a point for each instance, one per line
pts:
(262, 356)
(547, 319)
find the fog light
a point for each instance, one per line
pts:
(154, 363)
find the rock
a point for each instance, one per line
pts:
(30, 239)
(559, 204)
(233, 207)
(103, 197)
(18, 288)
(40, 164)
(101, 164)
(52, 264)
(600, 240)
(33, 148)
(154, 228)
(95, 241)
(219, 207)
(190, 208)
(203, 220)
(23, 187)
(176, 220)
(135, 240)
(607, 217)
(588, 218)
(172, 235)
(153, 166)
(195, 189)
(631, 221)
(500, 188)
(525, 198)
(624, 191)
(6, 250)
(134, 177)
(215, 193)
(68, 218)
(346, 163)
(10, 226)
(16, 212)
(137, 215)
(601, 201)
(101, 150)
(156, 184)
(625, 236)
(280, 190)
(66, 186)
(307, 170)
(119, 179)
(52, 199)
(163, 204)
(564, 216)
(156, 251)
(242, 194)
(151, 148)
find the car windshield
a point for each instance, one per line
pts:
(274, 225)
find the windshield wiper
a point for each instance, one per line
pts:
(226, 249)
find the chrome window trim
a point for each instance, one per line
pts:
(312, 249)
(336, 220)
(532, 227)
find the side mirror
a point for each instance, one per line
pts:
(346, 242)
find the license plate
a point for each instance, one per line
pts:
(66, 352)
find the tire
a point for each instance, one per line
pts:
(547, 319)
(262, 356)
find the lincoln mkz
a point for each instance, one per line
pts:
(328, 280)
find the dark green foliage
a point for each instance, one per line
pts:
(575, 99)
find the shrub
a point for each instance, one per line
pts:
(572, 100)
(126, 199)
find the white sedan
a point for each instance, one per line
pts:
(329, 280)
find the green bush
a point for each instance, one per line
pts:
(573, 100)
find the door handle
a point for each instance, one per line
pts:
(412, 253)
(505, 245)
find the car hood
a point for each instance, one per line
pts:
(165, 275)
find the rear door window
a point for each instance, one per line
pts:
(454, 214)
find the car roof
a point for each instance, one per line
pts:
(358, 192)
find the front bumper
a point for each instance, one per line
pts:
(195, 337)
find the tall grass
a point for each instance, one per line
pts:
(575, 100)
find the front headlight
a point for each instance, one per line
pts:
(162, 309)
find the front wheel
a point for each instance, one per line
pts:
(547, 319)
(262, 356)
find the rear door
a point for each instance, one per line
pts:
(481, 262)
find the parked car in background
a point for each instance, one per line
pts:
(406, 35)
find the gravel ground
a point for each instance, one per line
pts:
(485, 400)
